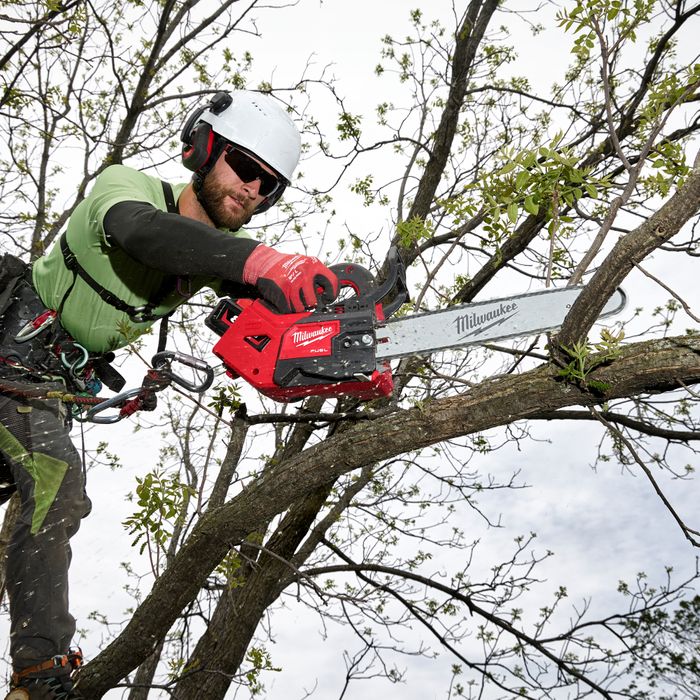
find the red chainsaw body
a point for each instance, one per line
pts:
(291, 356)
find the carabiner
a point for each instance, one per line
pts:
(35, 326)
(161, 361)
(74, 367)
(117, 400)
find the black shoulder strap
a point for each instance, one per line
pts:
(74, 266)
(172, 209)
(169, 197)
(140, 314)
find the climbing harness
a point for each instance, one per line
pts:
(138, 314)
(73, 660)
(36, 348)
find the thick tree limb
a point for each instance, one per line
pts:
(221, 649)
(654, 366)
(629, 250)
(467, 41)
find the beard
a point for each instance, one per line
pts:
(213, 195)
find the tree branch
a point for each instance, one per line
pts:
(629, 250)
(627, 422)
(654, 366)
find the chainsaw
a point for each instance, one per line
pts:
(345, 348)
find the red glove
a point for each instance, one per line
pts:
(291, 283)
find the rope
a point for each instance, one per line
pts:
(27, 392)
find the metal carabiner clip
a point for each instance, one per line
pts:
(35, 326)
(117, 400)
(77, 365)
(161, 361)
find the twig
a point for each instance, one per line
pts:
(687, 531)
(669, 290)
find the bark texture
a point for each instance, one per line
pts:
(648, 367)
(632, 248)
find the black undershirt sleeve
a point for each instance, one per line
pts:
(176, 244)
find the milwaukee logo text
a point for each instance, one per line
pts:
(306, 337)
(477, 321)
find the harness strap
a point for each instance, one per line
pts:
(136, 313)
(169, 197)
(73, 659)
(172, 209)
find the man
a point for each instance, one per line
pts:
(133, 250)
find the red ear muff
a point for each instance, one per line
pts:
(198, 149)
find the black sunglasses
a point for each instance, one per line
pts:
(248, 170)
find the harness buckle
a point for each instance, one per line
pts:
(141, 314)
(74, 659)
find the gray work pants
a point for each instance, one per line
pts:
(35, 446)
(37, 455)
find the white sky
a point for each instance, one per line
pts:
(602, 526)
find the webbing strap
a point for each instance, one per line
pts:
(172, 209)
(137, 313)
(169, 197)
(72, 264)
(73, 660)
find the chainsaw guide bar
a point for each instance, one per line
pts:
(344, 348)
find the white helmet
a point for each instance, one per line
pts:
(251, 120)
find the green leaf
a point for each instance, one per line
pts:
(531, 207)
(513, 212)
(522, 179)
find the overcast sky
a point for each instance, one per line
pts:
(601, 525)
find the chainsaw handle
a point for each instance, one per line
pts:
(362, 281)
(355, 277)
(395, 280)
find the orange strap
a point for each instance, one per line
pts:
(74, 659)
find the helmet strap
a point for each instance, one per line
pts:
(199, 175)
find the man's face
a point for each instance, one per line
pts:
(228, 200)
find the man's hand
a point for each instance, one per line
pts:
(291, 283)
